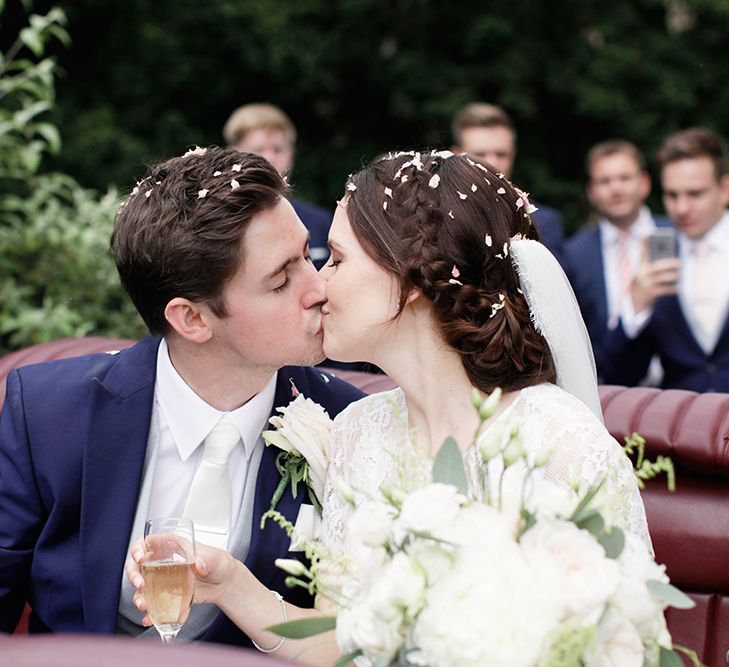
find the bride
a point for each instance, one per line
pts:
(436, 278)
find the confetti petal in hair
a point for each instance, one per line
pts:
(531, 209)
(388, 192)
(501, 191)
(236, 167)
(473, 187)
(455, 272)
(453, 281)
(234, 184)
(158, 182)
(217, 173)
(135, 190)
(506, 249)
(351, 187)
(461, 195)
(384, 205)
(444, 155)
(434, 182)
(148, 193)
(404, 178)
(495, 308)
(195, 151)
(202, 193)
(499, 256)
(519, 203)
(488, 240)
(450, 215)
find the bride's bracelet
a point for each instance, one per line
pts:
(280, 642)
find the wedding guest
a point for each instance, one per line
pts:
(266, 130)
(679, 307)
(458, 296)
(216, 262)
(488, 132)
(603, 259)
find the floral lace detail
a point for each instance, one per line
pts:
(371, 448)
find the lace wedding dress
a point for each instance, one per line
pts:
(371, 449)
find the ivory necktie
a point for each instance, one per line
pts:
(625, 265)
(706, 310)
(209, 502)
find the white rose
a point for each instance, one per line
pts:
(371, 523)
(488, 609)
(431, 508)
(572, 556)
(375, 629)
(617, 644)
(632, 597)
(305, 427)
(400, 585)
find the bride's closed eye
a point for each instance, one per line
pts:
(333, 263)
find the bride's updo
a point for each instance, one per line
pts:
(442, 224)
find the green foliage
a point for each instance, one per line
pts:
(362, 76)
(56, 276)
(645, 469)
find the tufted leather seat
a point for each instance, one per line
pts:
(690, 528)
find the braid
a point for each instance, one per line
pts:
(443, 225)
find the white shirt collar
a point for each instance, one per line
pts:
(717, 238)
(190, 418)
(641, 227)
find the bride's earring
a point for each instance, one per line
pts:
(397, 306)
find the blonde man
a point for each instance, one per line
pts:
(266, 130)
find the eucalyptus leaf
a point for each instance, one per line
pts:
(31, 38)
(613, 541)
(592, 523)
(448, 467)
(669, 658)
(305, 627)
(346, 659)
(670, 595)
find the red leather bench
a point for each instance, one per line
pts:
(690, 528)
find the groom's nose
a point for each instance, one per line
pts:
(315, 293)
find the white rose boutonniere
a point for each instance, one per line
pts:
(302, 434)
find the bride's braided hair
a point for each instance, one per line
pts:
(442, 224)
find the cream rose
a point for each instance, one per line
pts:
(305, 427)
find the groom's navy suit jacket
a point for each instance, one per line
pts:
(73, 437)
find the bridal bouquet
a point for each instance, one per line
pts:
(438, 578)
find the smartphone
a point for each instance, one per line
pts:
(662, 243)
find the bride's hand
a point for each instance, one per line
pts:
(213, 568)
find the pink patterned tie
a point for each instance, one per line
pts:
(625, 265)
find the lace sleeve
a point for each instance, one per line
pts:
(365, 437)
(583, 450)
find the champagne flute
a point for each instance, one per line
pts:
(169, 582)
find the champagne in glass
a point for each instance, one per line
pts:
(169, 582)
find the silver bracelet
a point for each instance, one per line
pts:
(281, 641)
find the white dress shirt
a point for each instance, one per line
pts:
(184, 422)
(643, 227)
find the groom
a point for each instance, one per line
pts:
(216, 262)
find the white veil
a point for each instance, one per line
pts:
(557, 317)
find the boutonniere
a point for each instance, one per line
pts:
(302, 433)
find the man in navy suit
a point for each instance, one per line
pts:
(266, 130)
(679, 306)
(488, 132)
(603, 259)
(216, 261)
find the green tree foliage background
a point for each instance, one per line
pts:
(144, 80)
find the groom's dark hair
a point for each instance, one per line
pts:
(180, 231)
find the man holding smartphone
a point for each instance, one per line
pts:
(602, 260)
(679, 307)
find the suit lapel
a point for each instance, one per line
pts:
(121, 408)
(598, 286)
(272, 542)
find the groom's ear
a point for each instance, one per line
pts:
(189, 319)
